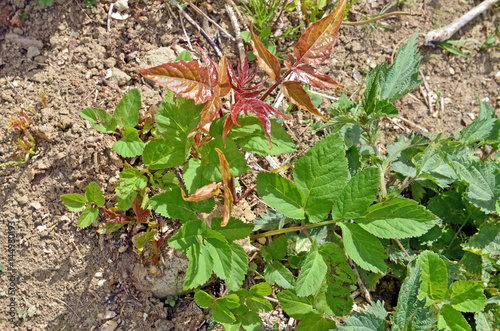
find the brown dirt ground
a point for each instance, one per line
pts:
(57, 264)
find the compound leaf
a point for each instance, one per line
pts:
(239, 266)
(281, 193)
(188, 235)
(200, 266)
(276, 272)
(294, 305)
(452, 320)
(235, 229)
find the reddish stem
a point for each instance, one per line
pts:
(244, 195)
(278, 82)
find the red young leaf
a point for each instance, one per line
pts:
(209, 112)
(228, 197)
(299, 97)
(115, 217)
(184, 78)
(291, 61)
(223, 88)
(309, 75)
(203, 193)
(267, 61)
(140, 213)
(315, 46)
(212, 73)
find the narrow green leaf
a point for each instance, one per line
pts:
(130, 145)
(363, 248)
(239, 265)
(220, 252)
(466, 296)
(281, 193)
(127, 111)
(111, 227)
(434, 276)
(357, 195)
(188, 235)
(202, 298)
(312, 274)
(452, 320)
(276, 272)
(88, 216)
(316, 322)
(74, 202)
(200, 266)
(295, 306)
(235, 229)
(321, 174)
(397, 218)
(99, 119)
(93, 193)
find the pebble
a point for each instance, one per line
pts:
(22, 200)
(24, 42)
(497, 77)
(41, 228)
(101, 282)
(119, 77)
(98, 274)
(110, 325)
(452, 71)
(32, 52)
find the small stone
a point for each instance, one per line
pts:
(22, 200)
(32, 52)
(452, 71)
(98, 274)
(41, 228)
(36, 205)
(108, 314)
(356, 47)
(122, 249)
(101, 282)
(120, 77)
(24, 42)
(158, 56)
(31, 311)
(110, 325)
(497, 77)
(110, 62)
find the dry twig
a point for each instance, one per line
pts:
(236, 28)
(381, 17)
(362, 287)
(199, 11)
(435, 37)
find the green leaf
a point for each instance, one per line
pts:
(278, 247)
(357, 195)
(188, 235)
(402, 76)
(434, 276)
(281, 193)
(397, 218)
(239, 266)
(221, 313)
(258, 303)
(411, 313)
(200, 266)
(161, 155)
(88, 216)
(99, 119)
(111, 227)
(312, 274)
(176, 121)
(127, 111)
(452, 320)
(235, 229)
(250, 320)
(260, 289)
(202, 298)
(141, 240)
(276, 272)
(184, 55)
(449, 207)
(74, 202)
(130, 182)
(171, 204)
(371, 319)
(93, 193)
(252, 137)
(481, 130)
(316, 322)
(130, 145)
(486, 242)
(466, 296)
(363, 248)
(321, 174)
(220, 253)
(483, 179)
(295, 306)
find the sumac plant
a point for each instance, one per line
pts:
(336, 216)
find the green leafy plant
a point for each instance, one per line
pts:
(23, 15)
(47, 3)
(340, 206)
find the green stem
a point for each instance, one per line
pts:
(458, 232)
(291, 229)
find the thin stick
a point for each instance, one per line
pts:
(49, 296)
(199, 11)
(239, 14)
(435, 37)
(324, 95)
(236, 28)
(109, 16)
(271, 299)
(428, 90)
(381, 17)
(185, 33)
(396, 123)
(13, 87)
(402, 248)
(362, 287)
(413, 124)
(197, 27)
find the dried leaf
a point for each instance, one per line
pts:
(298, 96)
(203, 193)
(312, 76)
(223, 88)
(228, 206)
(184, 78)
(315, 46)
(224, 166)
(267, 61)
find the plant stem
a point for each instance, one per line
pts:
(402, 248)
(457, 233)
(278, 82)
(290, 229)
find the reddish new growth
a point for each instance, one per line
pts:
(208, 83)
